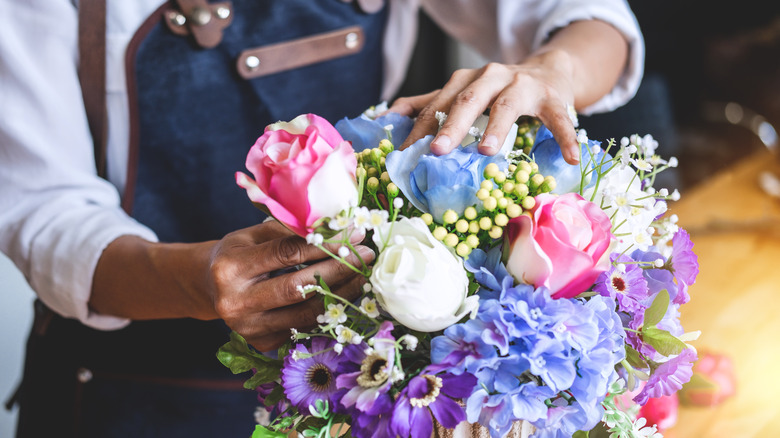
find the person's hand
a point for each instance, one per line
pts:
(541, 86)
(234, 279)
(262, 306)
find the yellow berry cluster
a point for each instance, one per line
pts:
(377, 189)
(526, 134)
(503, 196)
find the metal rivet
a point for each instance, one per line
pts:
(177, 19)
(252, 62)
(351, 40)
(83, 375)
(223, 12)
(200, 16)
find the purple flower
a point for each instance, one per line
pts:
(376, 424)
(263, 391)
(309, 379)
(669, 377)
(366, 372)
(685, 264)
(489, 272)
(461, 347)
(550, 360)
(429, 396)
(561, 421)
(626, 284)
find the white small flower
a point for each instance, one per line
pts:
(410, 341)
(642, 164)
(338, 348)
(658, 263)
(474, 132)
(398, 203)
(367, 287)
(663, 192)
(294, 334)
(295, 355)
(582, 136)
(362, 218)
(624, 142)
(314, 239)
(396, 375)
(673, 162)
(377, 218)
(388, 127)
(572, 115)
(369, 307)
(675, 196)
(345, 335)
(339, 223)
(441, 117)
(334, 314)
(343, 252)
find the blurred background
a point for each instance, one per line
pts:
(710, 96)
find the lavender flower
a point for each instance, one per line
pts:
(427, 396)
(669, 377)
(313, 378)
(376, 424)
(625, 283)
(685, 264)
(366, 372)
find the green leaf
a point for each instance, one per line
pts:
(581, 434)
(240, 358)
(655, 313)
(264, 432)
(634, 358)
(275, 396)
(263, 375)
(663, 341)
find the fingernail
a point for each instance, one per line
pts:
(489, 144)
(442, 142)
(574, 154)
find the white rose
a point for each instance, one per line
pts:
(417, 279)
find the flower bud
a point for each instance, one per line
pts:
(450, 217)
(450, 240)
(490, 203)
(472, 240)
(485, 223)
(548, 185)
(497, 193)
(462, 226)
(536, 181)
(521, 190)
(496, 232)
(514, 211)
(528, 203)
(427, 218)
(440, 233)
(360, 172)
(386, 146)
(503, 202)
(486, 184)
(500, 178)
(501, 220)
(372, 171)
(384, 178)
(470, 213)
(473, 227)
(372, 184)
(376, 154)
(508, 187)
(482, 194)
(463, 249)
(491, 170)
(392, 190)
(522, 176)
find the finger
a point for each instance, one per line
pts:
(504, 111)
(427, 123)
(468, 105)
(284, 290)
(556, 118)
(412, 105)
(266, 231)
(266, 328)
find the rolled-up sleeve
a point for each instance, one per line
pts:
(508, 31)
(56, 215)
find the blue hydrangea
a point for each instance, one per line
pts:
(547, 154)
(365, 133)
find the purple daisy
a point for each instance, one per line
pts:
(429, 396)
(685, 264)
(624, 282)
(312, 376)
(669, 377)
(376, 424)
(367, 372)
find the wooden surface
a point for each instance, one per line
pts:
(735, 302)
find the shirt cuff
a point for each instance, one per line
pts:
(621, 18)
(64, 262)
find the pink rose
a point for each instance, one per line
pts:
(303, 171)
(713, 381)
(563, 246)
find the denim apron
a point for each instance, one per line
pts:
(196, 119)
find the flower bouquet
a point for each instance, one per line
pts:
(506, 290)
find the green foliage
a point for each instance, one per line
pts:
(239, 357)
(264, 432)
(655, 313)
(663, 341)
(581, 434)
(634, 358)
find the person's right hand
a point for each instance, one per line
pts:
(233, 279)
(262, 306)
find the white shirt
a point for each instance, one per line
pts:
(57, 216)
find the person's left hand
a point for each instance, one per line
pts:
(542, 87)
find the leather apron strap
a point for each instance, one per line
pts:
(92, 74)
